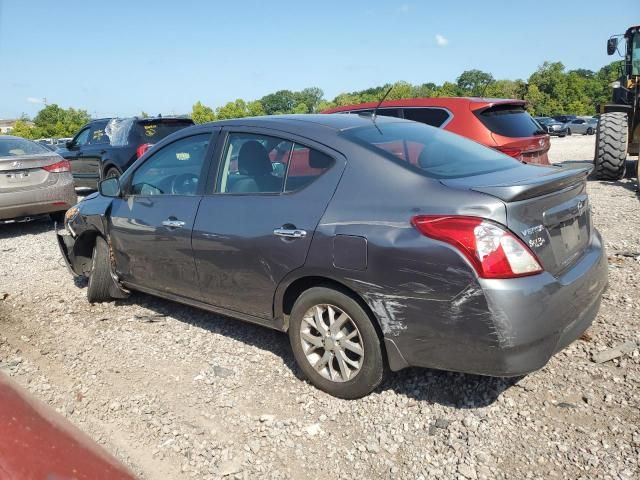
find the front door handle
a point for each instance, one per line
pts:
(173, 223)
(290, 232)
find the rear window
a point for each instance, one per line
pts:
(509, 121)
(155, 130)
(13, 147)
(431, 151)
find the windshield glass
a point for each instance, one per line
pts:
(635, 54)
(13, 147)
(431, 151)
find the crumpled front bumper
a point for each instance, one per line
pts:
(65, 244)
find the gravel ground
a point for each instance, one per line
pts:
(178, 393)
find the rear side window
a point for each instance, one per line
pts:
(431, 151)
(431, 116)
(386, 112)
(152, 131)
(305, 165)
(509, 121)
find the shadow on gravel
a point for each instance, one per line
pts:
(32, 227)
(432, 386)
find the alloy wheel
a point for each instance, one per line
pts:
(332, 343)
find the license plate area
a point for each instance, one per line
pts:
(570, 234)
(17, 176)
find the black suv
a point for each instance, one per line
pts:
(106, 147)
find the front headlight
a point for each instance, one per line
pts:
(72, 212)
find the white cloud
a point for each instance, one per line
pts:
(35, 100)
(404, 8)
(441, 40)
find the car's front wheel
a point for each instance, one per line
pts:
(335, 343)
(589, 131)
(100, 280)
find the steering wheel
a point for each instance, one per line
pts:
(184, 184)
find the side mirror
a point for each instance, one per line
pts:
(109, 187)
(612, 45)
(70, 144)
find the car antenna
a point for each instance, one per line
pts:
(375, 110)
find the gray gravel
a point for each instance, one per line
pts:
(179, 393)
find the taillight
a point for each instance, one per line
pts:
(58, 167)
(492, 249)
(511, 151)
(143, 148)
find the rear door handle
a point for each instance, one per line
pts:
(290, 232)
(173, 223)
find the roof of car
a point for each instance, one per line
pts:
(335, 122)
(431, 102)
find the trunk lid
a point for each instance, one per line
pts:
(24, 171)
(547, 208)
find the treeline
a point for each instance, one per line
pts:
(550, 90)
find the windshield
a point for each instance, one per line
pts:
(431, 151)
(13, 147)
(635, 54)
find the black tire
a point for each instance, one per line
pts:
(569, 131)
(100, 280)
(562, 136)
(58, 217)
(372, 369)
(611, 146)
(589, 131)
(112, 172)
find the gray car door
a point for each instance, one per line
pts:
(151, 224)
(257, 224)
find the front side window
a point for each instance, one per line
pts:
(173, 170)
(431, 116)
(82, 138)
(254, 164)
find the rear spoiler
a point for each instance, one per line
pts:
(536, 186)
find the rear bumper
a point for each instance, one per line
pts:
(38, 201)
(527, 321)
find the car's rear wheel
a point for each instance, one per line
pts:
(335, 343)
(589, 131)
(100, 280)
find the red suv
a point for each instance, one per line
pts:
(497, 123)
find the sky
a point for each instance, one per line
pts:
(118, 58)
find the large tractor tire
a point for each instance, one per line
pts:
(611, 146)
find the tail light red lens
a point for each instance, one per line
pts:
(58, 167)
(143, 148)
(492, 249)
(511, 151)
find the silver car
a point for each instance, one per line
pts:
(33, 180)
(585, 126)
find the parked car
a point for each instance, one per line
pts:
(551, 126)
(62, 142)
(46, 142)
(564, 118)
(106, 147)
(581, 125)
(39, 443)
(33, 180)
(383, 242)
(501, 124)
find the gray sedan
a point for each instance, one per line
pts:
(374, 242)
(33, 180)
(584, 126)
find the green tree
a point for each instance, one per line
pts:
(53, 121)
(473, 82)
(282, 101)
(200, 113)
